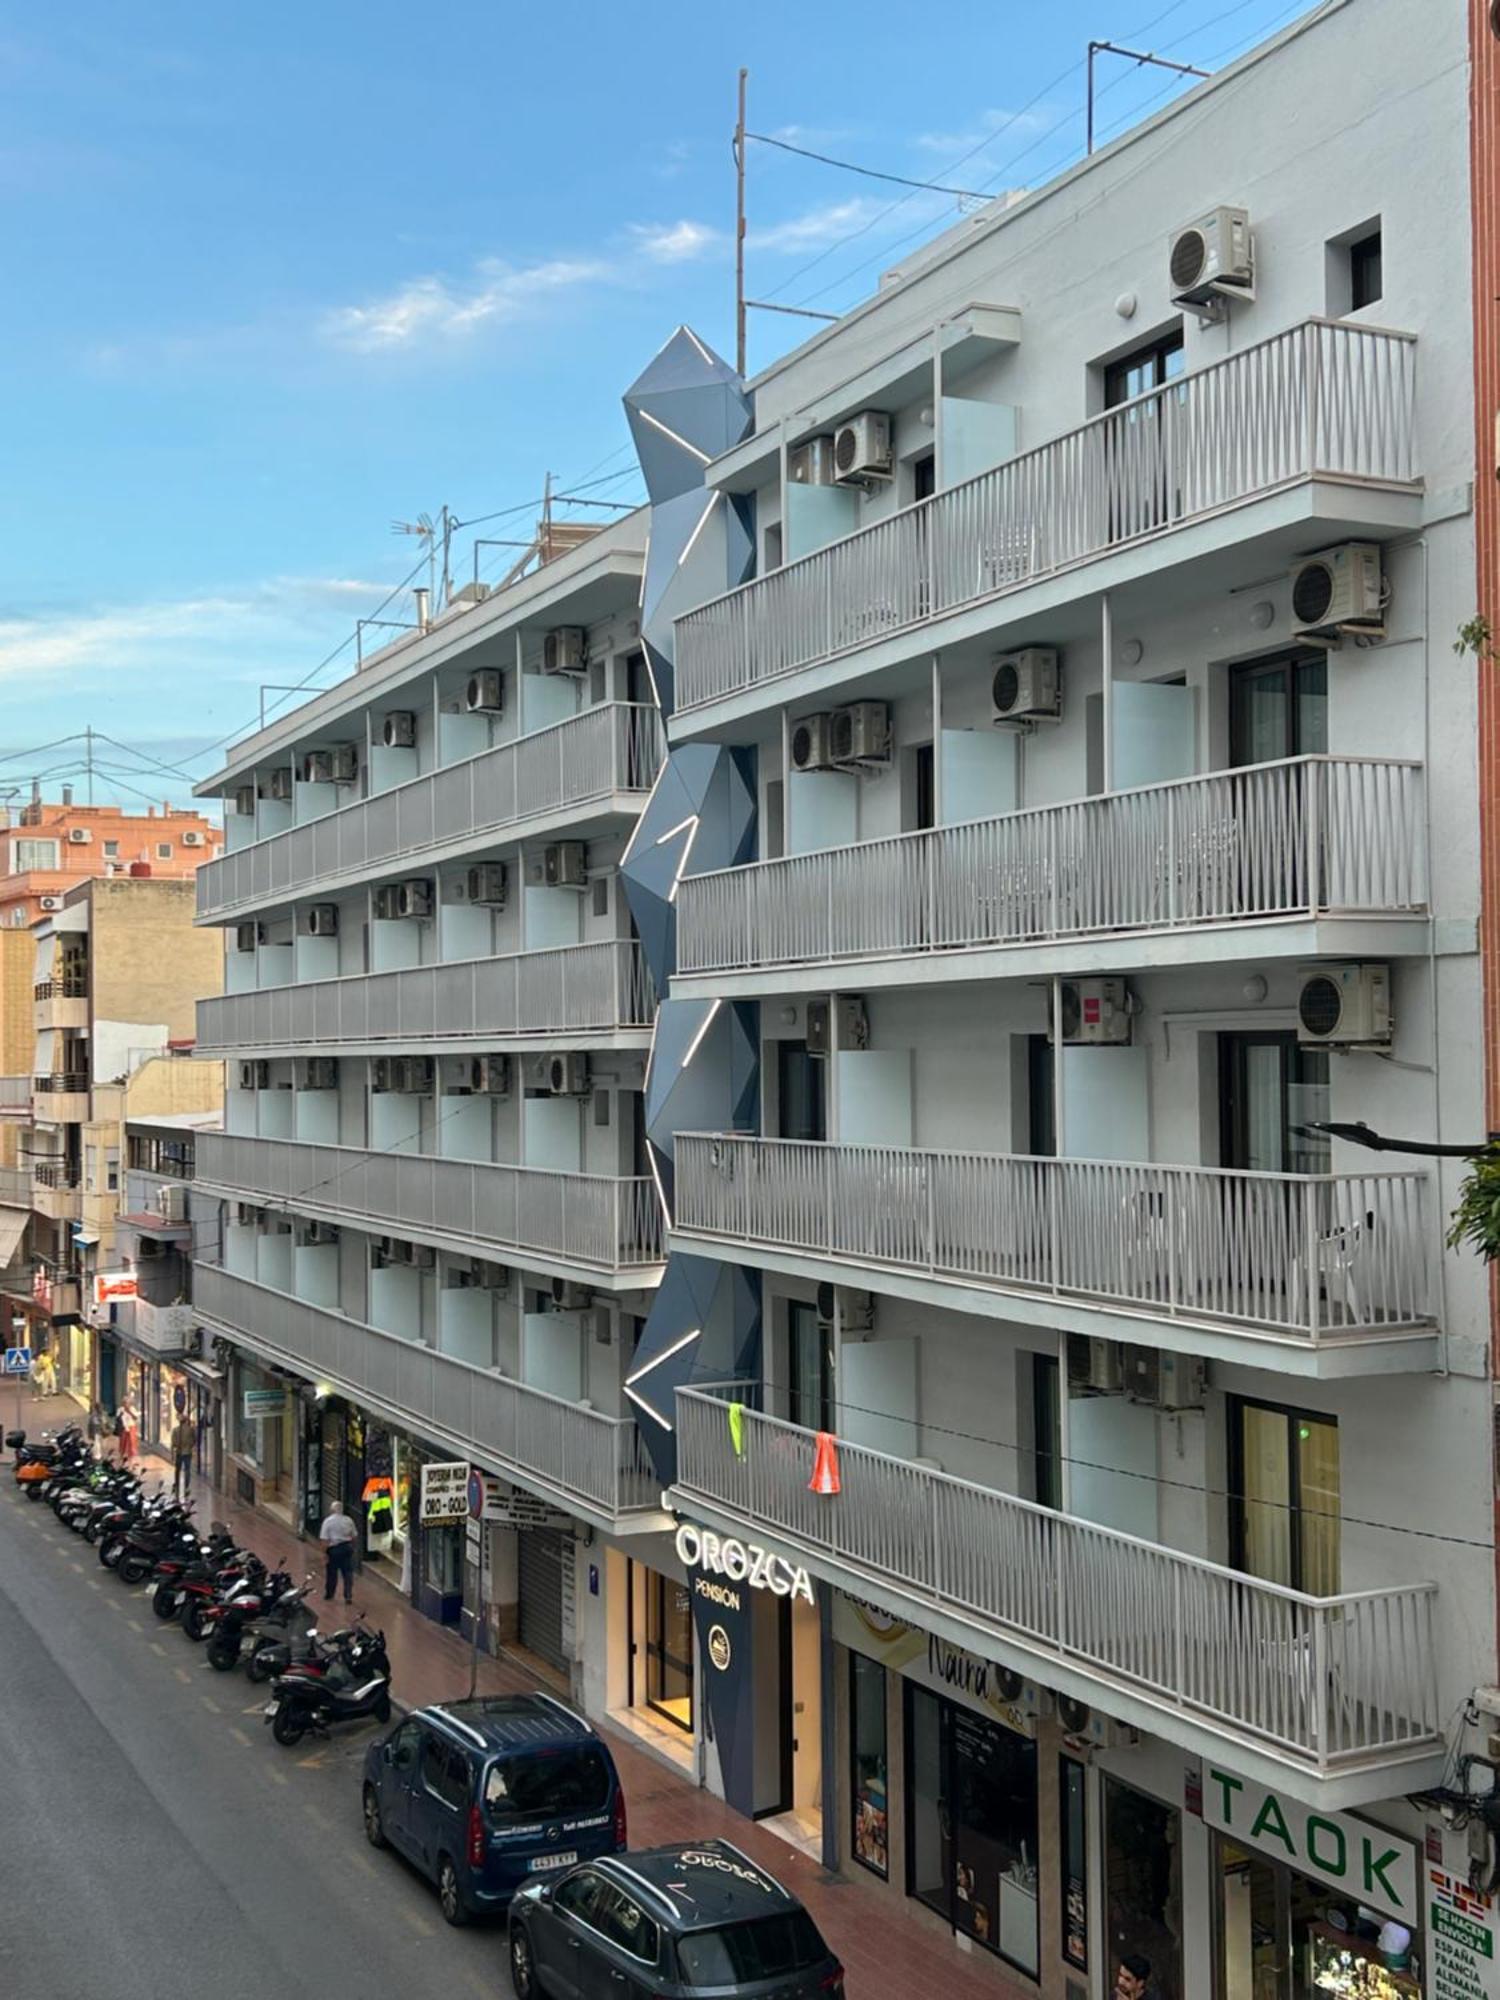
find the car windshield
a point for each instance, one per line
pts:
(762, 1948)
(538, 1783)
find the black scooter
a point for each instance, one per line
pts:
(357, 1690)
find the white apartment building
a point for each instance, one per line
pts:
(1117, 828)
(1095, 1553)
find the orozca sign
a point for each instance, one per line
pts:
(742, 1562)
(1365, 1862)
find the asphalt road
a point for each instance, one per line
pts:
(157, 1844)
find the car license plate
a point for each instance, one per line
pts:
(542, 1861)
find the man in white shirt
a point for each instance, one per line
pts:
(337, 1535)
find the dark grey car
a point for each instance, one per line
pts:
(701, 1922)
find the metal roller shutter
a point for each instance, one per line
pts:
(540, 1576)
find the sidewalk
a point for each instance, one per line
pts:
(882, 1952)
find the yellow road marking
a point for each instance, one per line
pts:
(363, 1861)
(182, 1674)
(158, 1648)
(419, 1924)
(239, 1736)
(209, 1703)
(276, 1777)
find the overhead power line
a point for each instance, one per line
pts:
(870, 173)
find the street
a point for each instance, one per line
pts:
(157, 1842)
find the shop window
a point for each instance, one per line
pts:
(971, 1839)
(669, 1649)
(869, 1812)
(1272, 1919)
(1143, 1888)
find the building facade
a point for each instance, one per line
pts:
(47, 850)
(815, 1048)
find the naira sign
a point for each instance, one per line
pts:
(742, 1562)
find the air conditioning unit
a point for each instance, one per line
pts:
(255, 1075)
(49, 902)
(421, 1256)
(321, 920)
(489, 1076)
(1211, 260)
(1345, 1006)
(345, 764)
(855, 1310)
(314, 1235)
(811, 463)
(244, 801)
(280, 785)
(596, 1323)
(274, 1225)
(1339, 591)
(150, 1247)
(386, 901)
(191, 837)
(414, 897)
(1095, 1367)
(172, 1203)
(862, 449)
(414, 1076)
(317, 767)
(860, 734)
(565, 651)
(485, 693)
(1084, 1728)
(570, 1297)
(320, 1073)
(810, 750)
(488, 882)
(1027, 686)
(246, 1214)
(853, 1024)
(1095, 1012)
(383, 1073)
(79, 836)
(567, 1075)
(488, 1277)
(564, 865)
(399, 730)
(1166, 1381)
(382, 1252)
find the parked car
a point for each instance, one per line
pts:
(484, 1795)
(678, 1923)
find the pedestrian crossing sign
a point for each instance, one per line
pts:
(18, 1360)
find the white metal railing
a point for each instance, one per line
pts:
(580, 988)
(1332, 1682)
(599, 1220)
(497, 1421)
(1303, 837)
(1321, 400)
(614, 747)
(1299, 1256)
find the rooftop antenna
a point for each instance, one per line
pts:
(425, 530)
(743, 305)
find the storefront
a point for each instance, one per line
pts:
(544, 1563)
(1309, 1903)
(1143, 1883)
(263, 1433)
(660, 1654)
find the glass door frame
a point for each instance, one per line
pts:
(1234, 1409)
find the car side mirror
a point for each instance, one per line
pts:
(385, 1753)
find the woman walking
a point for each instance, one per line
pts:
(127, 1429)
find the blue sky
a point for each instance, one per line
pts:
(278, 276)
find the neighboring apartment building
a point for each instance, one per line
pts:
(49, 849)
(17, 1040)
(1077, 1463)
(116, 973)
(439, 1229)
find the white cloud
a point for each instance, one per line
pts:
(816, 227)
(988, 125)
(675, 242)
(440, 308)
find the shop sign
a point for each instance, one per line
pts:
(264, 1402)
(1462, 1957)
(445, 1492)
(929, 1659)
(509, 1508)
(110, 1286)
(1361, 1861)
(741, 1562)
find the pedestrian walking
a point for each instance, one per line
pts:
(337, 1536)
(1133, 1980)
(127, 1430)
(98, 1430)
(184, 1446)
(44, 1373)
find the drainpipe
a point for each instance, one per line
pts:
(830, 1759)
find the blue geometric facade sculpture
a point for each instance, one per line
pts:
(685, 408)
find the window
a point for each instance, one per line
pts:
(773, 545)
(918, 788)
(1150, 367)
(1365, 277)
(445, 1773)
(800, 1104)
(924, 476)
(868, 1809)
(1046, 1432)
(625, 1923)
(669, 1649)
(809, 1367)
(1284, 1521)
(580, 1895)
(1355, 269)
(404, 1746)
(763, 1948)
(1271, 1091)
(112, 850)
(164, 850)
(28, 854)
(541, 1783)
(1041, 1097)
(1278, 708)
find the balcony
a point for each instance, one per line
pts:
(1341, 1691)
(595, 1466)
(587, 1222)
(1318, 1275)
(56, 1191)
(61, 1002)
(602, 761)
(1314, 856)
(62, 1098)
(581, 991)
(1321, 402)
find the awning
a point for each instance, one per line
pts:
(12, 1228)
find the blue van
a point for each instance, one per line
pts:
(485, 1795)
